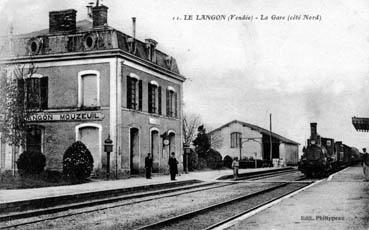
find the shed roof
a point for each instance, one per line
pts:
(361, 124)
(259, 129)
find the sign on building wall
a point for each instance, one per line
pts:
(154, 121)
(73, 116)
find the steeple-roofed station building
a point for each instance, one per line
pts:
(93, 81)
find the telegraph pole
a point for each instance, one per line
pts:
(240, 147)
(270, 139)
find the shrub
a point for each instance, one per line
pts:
(202, 164)
(193, 160)
(77, 162)
(31, 162)
(227, 161)
(52, 176)
(214, 159)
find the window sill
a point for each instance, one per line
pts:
(88, 108)
(150, 114)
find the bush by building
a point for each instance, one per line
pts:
(193, 160)
(31, 162)
(213, 159)
(77, 162)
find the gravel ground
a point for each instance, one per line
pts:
(293, 176)
(212, 217)
(135, 215)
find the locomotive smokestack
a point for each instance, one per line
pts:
(134, 27)
(313, 131)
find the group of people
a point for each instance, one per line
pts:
(172, 162)
(173, 168)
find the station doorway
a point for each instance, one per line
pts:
(155, 150)
(134, 151)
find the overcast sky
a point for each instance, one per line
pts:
(300, 71)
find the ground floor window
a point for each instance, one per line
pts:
(34, 139)
(90, 135)
(172, 142)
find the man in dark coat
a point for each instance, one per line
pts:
(365, 164)
(148, 165)
(173, 169)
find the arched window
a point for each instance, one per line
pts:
(89, 88)
(172, 141)
(134, 152)
(172, 103)
(134, 92)
(155, 148)
(34, 138)
(154, 97)
(33, 89)
(90, 135)
(235, 139)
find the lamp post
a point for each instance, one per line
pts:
(108, 148)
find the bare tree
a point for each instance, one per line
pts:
(190, 124)
(13, 105)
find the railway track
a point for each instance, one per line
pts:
(103, 204)
(144, 198)
(215, 215)
(267, 175)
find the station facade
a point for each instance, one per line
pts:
(93, 81)
(255, 143)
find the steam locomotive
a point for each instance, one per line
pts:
(323, 156)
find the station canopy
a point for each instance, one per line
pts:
(361, 124)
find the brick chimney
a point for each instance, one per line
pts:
(99, 15)
(62, 21)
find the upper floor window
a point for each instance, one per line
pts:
(34, 91)
(89, 88)
(134, 92)
(154, 97)
(172, 104)
(235, 139)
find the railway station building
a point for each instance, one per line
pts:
(93, 81)
(255, 143)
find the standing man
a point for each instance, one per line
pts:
(365, 164)
(148, 165)
(235, 166)
(173, 169)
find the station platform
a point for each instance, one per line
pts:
(338, 202)
(19, 195)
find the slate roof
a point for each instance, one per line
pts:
(81, 26)
(106, 33)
